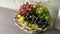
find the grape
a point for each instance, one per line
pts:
(26, 23)
(29, 20)
(47, 18)
(27, 17)
(24, 15)
(30, 25)
(40, 11)
(42, 20)
(24, 12)
(24, 6)
(37, 18)
(18, 16)
(43, 16)
(27, 3)
(46, 10)
(33, 19)
(30, 16)
(19, 12)
(35, 15)
(47, 23)
(44, 26)
(30, 9)
(40, 23)
(21, 19)
(34, 26)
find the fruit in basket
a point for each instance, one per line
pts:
(18, 16)
(30, 24)
(34, 26)
(25, 8)
(33, 19)
(34, 16)
(44, 26)
(21, 19)
(25, 23)
(47, 18)
(46, 10)
(40, 11)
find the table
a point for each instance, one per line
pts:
(7, 24)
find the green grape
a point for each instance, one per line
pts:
(47, 18)
(46, 10)
(21, 19)
(30, 16)
(40, 11)
(42, 16)
(30, 24)
(25, 23)
(34, 26)
(41, 8)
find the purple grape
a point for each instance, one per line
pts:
(29, 20)
(44, 26)
(42, 20)
(37, 18)
(35, 21)
(28, 14)
(47, 23)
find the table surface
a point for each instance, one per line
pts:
(7, 25)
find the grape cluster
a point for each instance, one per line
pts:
(27, 16)
(25, 8)
(35, 20)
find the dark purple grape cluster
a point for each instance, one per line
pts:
(31, 18)
(27, 16)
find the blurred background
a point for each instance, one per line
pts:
(14, 4)
(8, 8)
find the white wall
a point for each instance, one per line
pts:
(15, 4)
(11, 4)
(7, 4)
